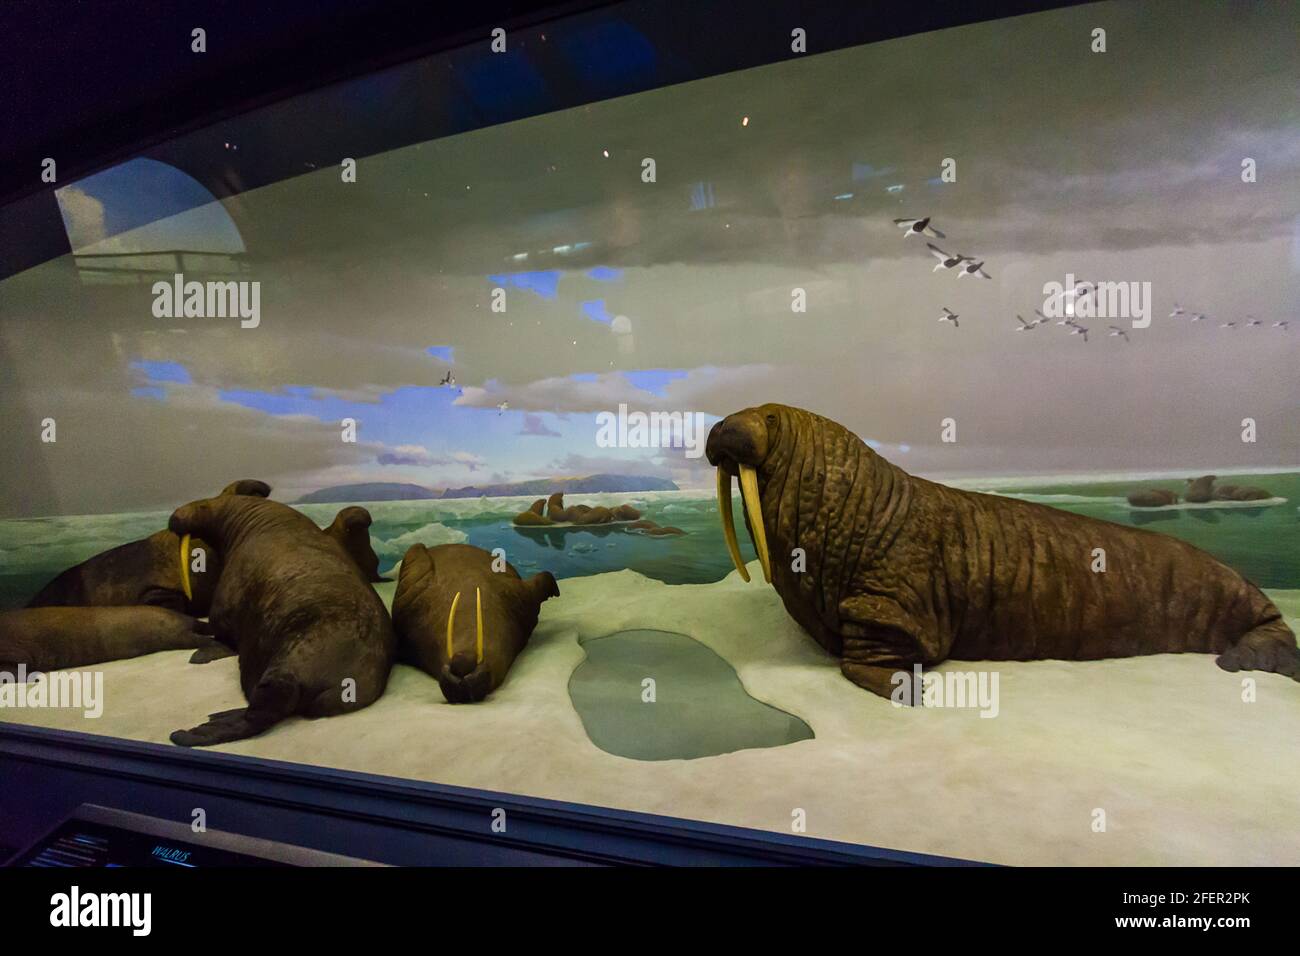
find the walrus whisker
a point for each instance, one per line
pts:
(478, 625)
(451, 621)
(185, 567)
(729, 523)
(754, 508)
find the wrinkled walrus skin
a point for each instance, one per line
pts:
(904, 571)
(506, 604)
(143, 572)
(300, 612)
(51, 638)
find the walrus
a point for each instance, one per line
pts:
(902, 571)
(313, 636)
(151, 571)
(1152, 498)
(462, 622)
(351, 529)
(1241, 493)
(1200, 490)
(52, 638)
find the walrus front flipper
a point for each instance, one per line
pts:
(880, 639)
(1269, 647)
(272, 701)
(212, 652)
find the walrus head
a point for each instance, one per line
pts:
(351, 529)
(463, 620)
(741, 445)
(806, 483)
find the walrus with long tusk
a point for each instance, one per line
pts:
(159, 570)
(904, 571)
(463, 622)
(313, 636)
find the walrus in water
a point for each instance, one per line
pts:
(1200, 490)
(158, 570)
(1241, 493)
(462, 622)
(313, 636)
(351, 529)
(903, 571)
(52, 638)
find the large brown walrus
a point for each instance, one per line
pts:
(313, 637)
(149, 571)
(51, 638)
(903, 571)
(463, 622)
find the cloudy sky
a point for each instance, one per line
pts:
(675, 295)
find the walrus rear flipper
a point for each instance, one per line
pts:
(1269, 647)
(272, 701)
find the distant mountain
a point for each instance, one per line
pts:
(368, 491)
(540, 487)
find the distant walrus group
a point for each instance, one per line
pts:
(899, 571)
(1200, 490)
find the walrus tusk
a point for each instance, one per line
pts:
(185, 568)
(754, 508)
(478, 622)
(729, 523)
(451, 620)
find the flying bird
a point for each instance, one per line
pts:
(1253, 321)
(448, 379)
(1178, 310)
(1079, 330)
(1228, 325)
(1284, 325)
(1115, 330)
(502, 407)
(949, 315)
(946, 261)
(1197, 316)
(918, 227)
(1024, 326)
(974, 269)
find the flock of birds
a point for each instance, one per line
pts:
(1250, 323)
(967, 266)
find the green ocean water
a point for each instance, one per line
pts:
(1262, 542)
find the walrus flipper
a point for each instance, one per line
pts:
(212, 652)
(1269, 647)
(881, 639)
(271, 701)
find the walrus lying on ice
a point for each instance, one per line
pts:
(51, 638)
(313, 636)
(468, 652)
(156, 570)
(903, 571)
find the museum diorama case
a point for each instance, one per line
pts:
(892, 444)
